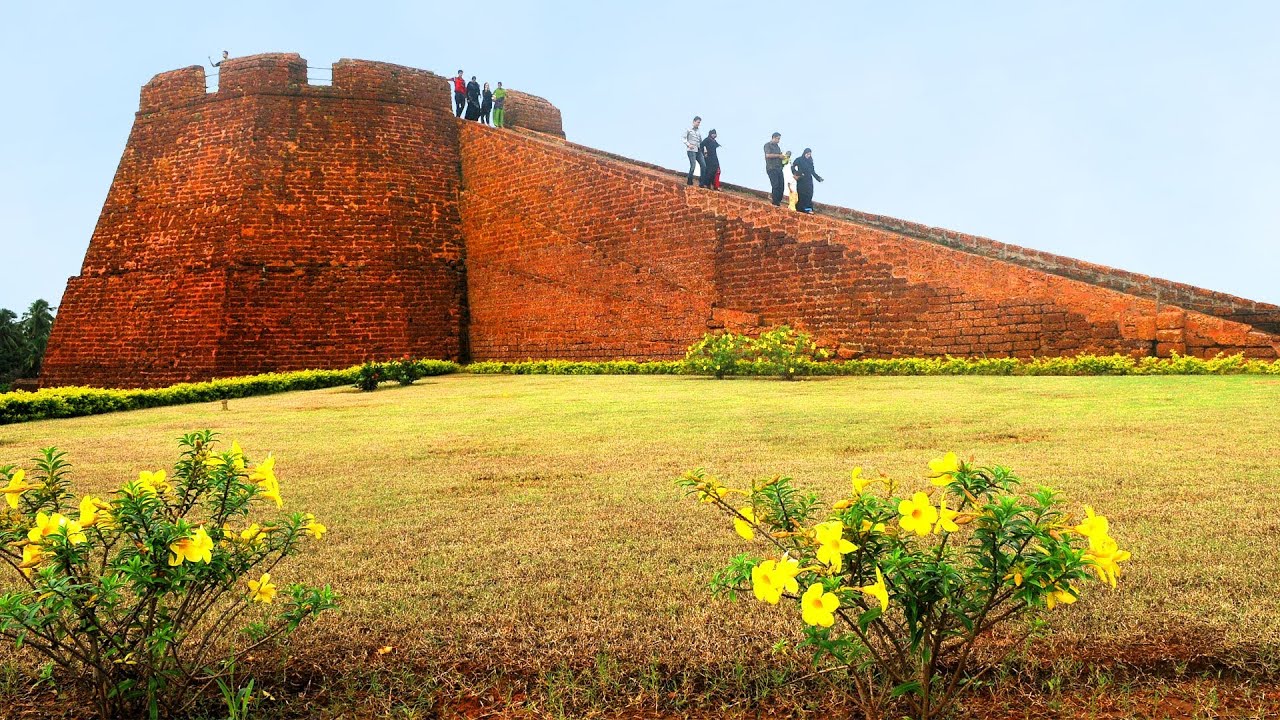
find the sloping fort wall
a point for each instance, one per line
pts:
(641, 264)
(277, 225)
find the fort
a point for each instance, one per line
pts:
(275, 224)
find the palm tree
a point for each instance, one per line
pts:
(36, 324)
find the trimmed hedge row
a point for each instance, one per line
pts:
(1079, 365)
(579, 367)
(67, 402)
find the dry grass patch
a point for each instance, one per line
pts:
(528, 524)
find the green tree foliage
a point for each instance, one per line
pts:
(22, 341)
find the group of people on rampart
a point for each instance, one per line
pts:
(704, 158)
(483, 105)
(475, 103)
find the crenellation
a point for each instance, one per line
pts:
(390, 82)
(533, 113)
(176, 87)
(265, 73)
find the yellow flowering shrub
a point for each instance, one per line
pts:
(130, 597)
(898, 588)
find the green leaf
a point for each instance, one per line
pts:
(868, 617)
(904, 688)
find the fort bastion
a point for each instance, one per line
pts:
(275, 224)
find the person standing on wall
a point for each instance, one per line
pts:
(486, 104)
(793, 194)
(805, 175)
(692, 143)
(499, 114)
(225, 55)
(459, 94)
(710, 176)
(773, 168)
(473, 99)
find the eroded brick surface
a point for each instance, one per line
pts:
(575, 253)
(275, 225)
(321, 224)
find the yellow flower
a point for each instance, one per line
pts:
(867, 527)
(253, 535)
(269, 489)
(743, 525)
(262, 590)
(237, 458)
(265, 471)
(196, 548)
(712, 490)
(859, 483)
(771, 578)
(1093, 524)
(712, 493)
(89, 510)
(917, 514)
(818, 606)
(313, 528)
(16, 487)
(154, 480)
(942, 470)
(1016, 574)
(32, 554)
(148, 483)
(946, 518)
(878, 591)
(47, 525)
(75, 534)
(831, 543)
(1060, 595)
(1106, 557)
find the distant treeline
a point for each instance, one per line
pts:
(22, 341)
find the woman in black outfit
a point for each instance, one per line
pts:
(711, 168)
(473, 99)
(486, 105)
(802, 169)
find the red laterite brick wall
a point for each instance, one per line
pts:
(271, 225)
(277, 225)
(573, 253)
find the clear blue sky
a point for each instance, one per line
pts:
(1142, 135)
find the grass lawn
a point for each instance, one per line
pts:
(522, 534)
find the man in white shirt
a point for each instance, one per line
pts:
(692, 141)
